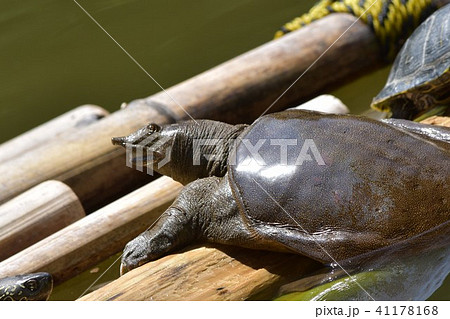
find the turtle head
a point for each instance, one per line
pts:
(184, 151)
(151, 147)
(37, 286)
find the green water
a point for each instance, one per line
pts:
(54, 58)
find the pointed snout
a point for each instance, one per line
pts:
(122, 140)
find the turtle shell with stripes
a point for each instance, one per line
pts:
(420, 78)
(36, 286)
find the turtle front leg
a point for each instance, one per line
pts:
(173, 230)
(181, 224)
(204, 211)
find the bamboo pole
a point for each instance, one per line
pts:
(36, 214)
(206, 273)
(75, 119)
(99, 235)
(236, 91)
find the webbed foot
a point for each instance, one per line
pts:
(205, 210)
(172, 231)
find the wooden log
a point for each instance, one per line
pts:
(36, 214)
(325, 103)
(206, 273)
(101, 229)
(86, 242)
(437, 120)
(236, 91)
(77, 118)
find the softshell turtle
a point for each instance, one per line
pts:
(326, 186)
(420, 77)
(37, 286)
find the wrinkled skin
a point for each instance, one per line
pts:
(30, 287)
(380, 183)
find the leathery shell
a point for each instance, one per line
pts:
(376, 185)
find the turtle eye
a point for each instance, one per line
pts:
(153, 127)
(31, 285)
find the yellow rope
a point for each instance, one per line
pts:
(391, 20)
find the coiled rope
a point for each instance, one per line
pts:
(391, 20)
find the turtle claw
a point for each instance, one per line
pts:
(136, 253)
(123, 269)
(151, 244)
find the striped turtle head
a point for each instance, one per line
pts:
(37, 286)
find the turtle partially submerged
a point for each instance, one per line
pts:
(329, 187)
(420, 77)
(37, 286)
